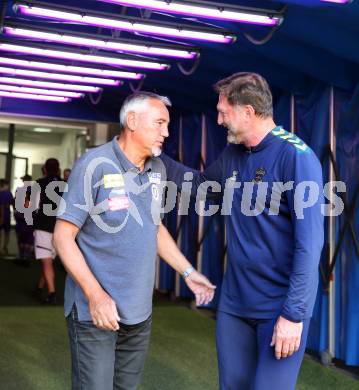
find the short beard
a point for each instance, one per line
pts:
(232, 137)
(156, 151)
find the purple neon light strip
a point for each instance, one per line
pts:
(46, 84)
(200, 11)
(39, 91)
(74, 69)
(337, 1)
(123, 25)
(18, 95)
(58, 76)
(103, 44)
(81, 57)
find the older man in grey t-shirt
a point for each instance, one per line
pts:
(107, 234)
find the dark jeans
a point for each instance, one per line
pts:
(107, 360)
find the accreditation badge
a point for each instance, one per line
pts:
(117, 191)
(118, 203)
(113, 180)
(154, 177)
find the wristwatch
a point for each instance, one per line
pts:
(187, 272)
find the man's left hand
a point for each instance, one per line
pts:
(201, 287)
(286, 337)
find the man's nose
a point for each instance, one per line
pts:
(219, 119)
(164, 131)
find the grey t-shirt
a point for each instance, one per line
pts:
(117, 209)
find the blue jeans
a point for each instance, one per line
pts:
(107, 360)
(246, 360)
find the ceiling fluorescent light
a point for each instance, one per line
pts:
(58, 76)
(71, 55)
(338, 1)
(46, 84)
(42, 130)
(121, 22)
(39, 91)
(208, 10)
(126, 46)
(34, 97)
(71, 69)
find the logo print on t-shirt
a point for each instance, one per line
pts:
(260, 172)
(291, 138)
(155, 192)
(234, 176)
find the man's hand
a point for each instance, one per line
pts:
(201, 287)
(102, 307)
(104, 312)
(286, 337)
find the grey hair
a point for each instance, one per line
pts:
(137, 102)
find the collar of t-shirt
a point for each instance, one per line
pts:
(125, 163)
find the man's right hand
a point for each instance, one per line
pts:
(102, 307)
(104, 312)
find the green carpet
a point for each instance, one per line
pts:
(34, 352)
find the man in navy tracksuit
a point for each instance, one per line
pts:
(272, 193)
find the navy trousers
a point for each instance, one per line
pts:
(246, 361)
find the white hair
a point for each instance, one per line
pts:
(137, 102)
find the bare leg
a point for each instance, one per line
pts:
(48, 274)
(41, 282)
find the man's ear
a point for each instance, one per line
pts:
(132, 121)
(249, 111)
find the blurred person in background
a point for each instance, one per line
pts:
(66, 174)
(6, 202)
(24, 231)
(43, 231)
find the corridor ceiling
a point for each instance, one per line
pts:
(317, 42)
